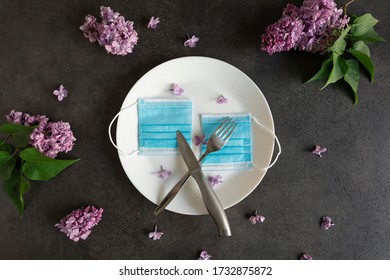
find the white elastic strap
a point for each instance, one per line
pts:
(277, 141)
(110, 136)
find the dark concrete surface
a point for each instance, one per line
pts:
(42, 47)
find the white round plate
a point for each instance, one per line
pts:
(203, 80)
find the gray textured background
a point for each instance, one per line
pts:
(42, 47)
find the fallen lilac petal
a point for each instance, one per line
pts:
(153, 22)
(222, 99)
(326, 222)
(177, 90)
(215, 180)
(79, 223)
(306, 257)
(318, 150)
(256, 218)
(155, 235)
(163, 173)
(204, 256)
(200, 140)
(61, 93)
(191, 42)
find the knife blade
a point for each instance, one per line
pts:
(210, 199)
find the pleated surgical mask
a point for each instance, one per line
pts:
(158, 121)
(237, 153)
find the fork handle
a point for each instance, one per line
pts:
(171, 195)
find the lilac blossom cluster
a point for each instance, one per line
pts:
(114, 33)
(49, 138)
(311, 27)
(79, 223)
(26, 119)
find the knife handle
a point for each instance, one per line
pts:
(171, 195)
(213, 205)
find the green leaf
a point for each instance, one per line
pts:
(324, 72)
(365, 61)
(19, 134)
(352, 18)
(340, 44)
(362, 47)
(352, 77)
(6, 147)
(363, 24)
(15, 187)
(340, 67)
(4, 156)
(7, 164)
(369, 37)
(40, 167)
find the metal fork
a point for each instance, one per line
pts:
(216, 141)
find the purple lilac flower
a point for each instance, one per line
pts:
(222, 99)
(61, 93)
(89, 28)
(326, 222)
(282, 35)
(318, 150)
(79, 223)
(204, 256)
(313, 27)
(53, 138)
(215, 180)
(306, 257)
(153, 22)
(26, 119)
(177, 90)
(155, 235)
(49, 138)
(114, 33)
(200, 140)
(256, 218)
(163, 173)
(191, 42)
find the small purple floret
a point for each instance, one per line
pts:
(326, 222)
(215, 180)
(306, 257)
(155, 235)
(61, 93)
(163, 173)
(256, 218)
(318, 150)
(177, 90)
(204, 256)
(200, 140)
(153, 22)
(191, 42)
(222, 99)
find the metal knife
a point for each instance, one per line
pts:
(210, 199)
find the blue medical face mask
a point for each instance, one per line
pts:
(237, 153)
(158, 121)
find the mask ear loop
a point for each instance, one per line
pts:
(122, 153)
(277, 141)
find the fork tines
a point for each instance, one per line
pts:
(226, 128)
